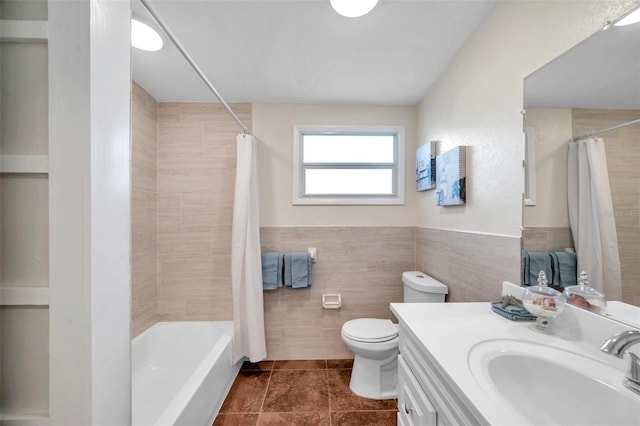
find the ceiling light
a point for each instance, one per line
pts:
(632, 18)
(144, 37)
(353, 8)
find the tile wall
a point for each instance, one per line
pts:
(144, 203)
(182, 219)
(196, 175)
(472, 265)
(623, 157)
(539, 238)
(363, 264)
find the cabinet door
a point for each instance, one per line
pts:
(414, 408)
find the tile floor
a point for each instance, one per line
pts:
(301, 393)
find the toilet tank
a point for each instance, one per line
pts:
(421, 288)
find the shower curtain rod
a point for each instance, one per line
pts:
(193, 64)
(608, 129)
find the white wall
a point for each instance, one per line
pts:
(90, 220)
(273, 126)
(478, 99)
(553, 129)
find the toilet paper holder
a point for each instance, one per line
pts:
(331, 301)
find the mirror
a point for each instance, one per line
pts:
(591, 87)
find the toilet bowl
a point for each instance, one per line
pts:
(375, 366)
(375, 341)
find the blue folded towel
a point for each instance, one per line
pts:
(565, 268)
(297, 270)
(511, 312)
(532, 264)
(271, 270)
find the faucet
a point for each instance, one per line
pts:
(618, 345)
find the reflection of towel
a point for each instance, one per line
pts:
(565, 268)
(512, 312)
(271, 271)
(297, 270)
(532, 264)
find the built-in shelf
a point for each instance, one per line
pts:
(24, 296)
(24, 164)
(8, 419)
(23, 31)
(25, 302)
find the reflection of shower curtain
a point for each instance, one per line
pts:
(246, 269)
(591, 216)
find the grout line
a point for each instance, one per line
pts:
(326, 376)
(264, 397)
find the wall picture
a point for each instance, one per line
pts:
(451, 169)
(426, 167)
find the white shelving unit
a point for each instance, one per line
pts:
(17, 32)
(24, 168)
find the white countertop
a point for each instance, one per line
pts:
(449, 331)
(624, 312)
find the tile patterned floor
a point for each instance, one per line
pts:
(301, 393)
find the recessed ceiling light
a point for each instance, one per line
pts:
(353, 8)
(144, 37)
(632, 18)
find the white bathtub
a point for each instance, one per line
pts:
(181, 372)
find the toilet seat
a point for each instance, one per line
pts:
(370, 330)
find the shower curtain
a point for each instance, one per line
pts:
(591, 216)
(246, 270)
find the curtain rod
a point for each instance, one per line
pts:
(193, 64)
(608, 129)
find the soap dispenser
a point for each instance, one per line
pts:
(543, 302)
(584, 296)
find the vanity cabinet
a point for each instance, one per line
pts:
(414, 407)
(426, 396)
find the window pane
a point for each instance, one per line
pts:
(348, 181)
(348, 148)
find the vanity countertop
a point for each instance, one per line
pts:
(448, 333)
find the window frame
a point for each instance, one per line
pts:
(397, 167)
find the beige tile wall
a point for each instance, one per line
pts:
(623, 158)
(144, 194)
(190, 210)
(363, 264)
(196, 175)
(472, 265)
(546, 238)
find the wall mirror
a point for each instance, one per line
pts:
(592, 87)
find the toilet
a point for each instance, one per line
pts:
(374, 341)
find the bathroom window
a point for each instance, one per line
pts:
(348, 165)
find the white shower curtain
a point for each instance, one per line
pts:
(591, 216)
(246, 268)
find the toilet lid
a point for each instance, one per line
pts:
(370, 330)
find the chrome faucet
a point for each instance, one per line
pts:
(618, 345)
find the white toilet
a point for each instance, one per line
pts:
(375, 341)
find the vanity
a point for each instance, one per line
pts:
(462, 364)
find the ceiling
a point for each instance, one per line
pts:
(601, 72)
(301, 51)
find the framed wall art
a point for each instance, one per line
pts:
(451, 166)
(426, 167)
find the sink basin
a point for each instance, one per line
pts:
(551, 386)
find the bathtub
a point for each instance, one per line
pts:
(181, 372)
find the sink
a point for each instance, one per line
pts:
(552, 386)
